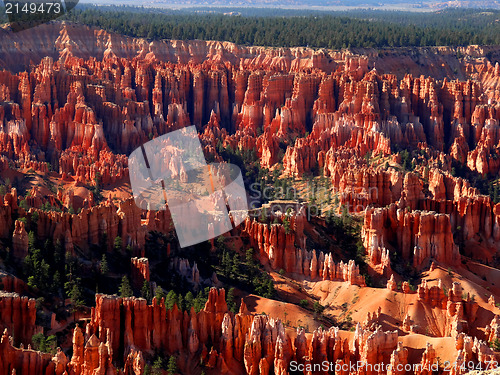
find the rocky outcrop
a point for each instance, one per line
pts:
(90, 355)
(417, 236)
(474, 351)
(190, 273)
(257, 343)
(19, 241)
(18, 316)
(374, 347)
(6, 222)
(429, 360)
(459, 313)
(140, 272)
(10, 283)
(492, 330)
(89, 226)
(286, 251)
(151, 327)
(20, 361)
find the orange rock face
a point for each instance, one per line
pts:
(19, 241)
(257, 342)
(88, 227)
(17, 316)
(287, 251)
(14, 360)
(140, 271)
(420, 236)
(10, 283)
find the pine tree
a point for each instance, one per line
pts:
(221, 243)
(172, 366)
(59, 254)
(226, 263)
(44, 344)
(117, 244)
(286, 224)
(171, 300)
(189, 300)
(263, 215)
(496, 345)
(23, 204)
(104, 265)
(249, 257)
(146, 291)
(180, 302)
(269, 288)
(318, 309)
(56, 282)
(199, 302)
(125, 289)
(74, 292)
(31, 241)
(231, 304)
(159, 294)
(157, 368)
(235, 267)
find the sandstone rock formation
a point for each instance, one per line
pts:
(258, 342)
(140, 272)
(18, 316)
(419, 236)
(20, 240)
(281, 250)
